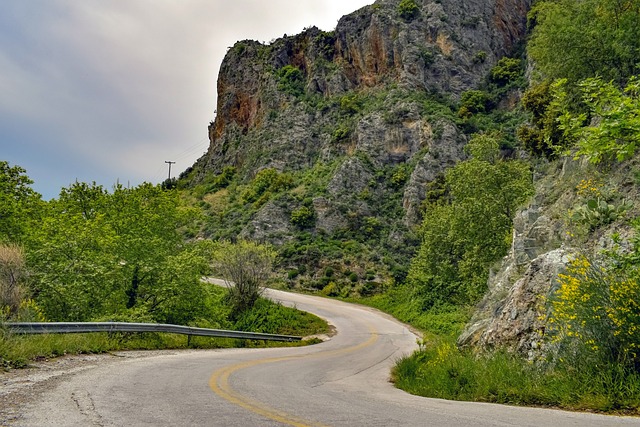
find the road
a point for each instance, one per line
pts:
(341, 382)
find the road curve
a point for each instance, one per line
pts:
(341, 382)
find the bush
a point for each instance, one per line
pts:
(303, 217)
(408, 9)
(245, 268)
(473, 102)
(595, 316)
(291, 80)
(506, 71)
(266, 183)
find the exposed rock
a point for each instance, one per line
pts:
(516, 321)
(436, 51)
(442, 153)
(329, 219)
(271, 223)
(372, 99)
(352, 177)
(509, 315)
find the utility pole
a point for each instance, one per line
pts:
(170, 163)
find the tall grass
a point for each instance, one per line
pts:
(441, 370)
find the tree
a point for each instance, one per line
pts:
(469, 228)
(245, 268)
(578, 39)
(100, 254)
(610, 126)
(18, 202)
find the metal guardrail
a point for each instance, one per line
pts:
(84, 327)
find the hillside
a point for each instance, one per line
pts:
(326, 143)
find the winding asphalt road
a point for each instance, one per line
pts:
(341, 382)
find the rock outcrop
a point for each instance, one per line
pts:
(359, 100)
(513, 311)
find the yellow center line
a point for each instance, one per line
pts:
(219, 383)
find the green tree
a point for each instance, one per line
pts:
(18, 202)
(99, 254)
(610, 126)
(245, 267)
(465, 233)
(577, 39)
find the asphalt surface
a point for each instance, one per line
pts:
(341, 382)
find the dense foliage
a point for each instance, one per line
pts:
(469, 228)
(578, 39)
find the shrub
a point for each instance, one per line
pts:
(544, 137)
(245, 268)
(595, 315)
(408, 9)
(474, 101)
(350, 104)
(291, 80)
(506, 71)
(480, 57)
(612, 121)
(303, 217)
(266, 182)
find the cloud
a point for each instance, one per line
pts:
(110, 90)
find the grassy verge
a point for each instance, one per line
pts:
(441, 370)
(268, 317)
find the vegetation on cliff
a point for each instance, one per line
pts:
(582, 105)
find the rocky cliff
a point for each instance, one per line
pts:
(546, 236)
(360, 120)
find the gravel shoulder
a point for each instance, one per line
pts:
(20, 387)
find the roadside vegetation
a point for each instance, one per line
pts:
(586, 104)
(123, 255)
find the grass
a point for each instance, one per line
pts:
(439, 369)
(17, 351)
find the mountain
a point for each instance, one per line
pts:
(327, 143)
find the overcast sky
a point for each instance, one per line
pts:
(107, 90)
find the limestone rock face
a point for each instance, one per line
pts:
(373, 101)
(511, 312)
(446, 48)
(516, 321)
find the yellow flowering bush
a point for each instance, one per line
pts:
(589, 189)
(597, 307)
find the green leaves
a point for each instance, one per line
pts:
(99, 253)
(614, 129)
(578, 39)
(245, 267)
(18, 202)
(465, 233)
(408, 9)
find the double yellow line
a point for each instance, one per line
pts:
(219, 383)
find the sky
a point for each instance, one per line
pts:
(108, 90)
